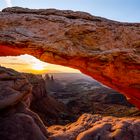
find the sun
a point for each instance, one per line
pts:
(38, 66)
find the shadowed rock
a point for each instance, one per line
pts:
(14, 87)
(108, 51)
(16, 121)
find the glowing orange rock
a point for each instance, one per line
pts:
(108, 51)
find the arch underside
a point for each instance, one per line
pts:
(108, 51)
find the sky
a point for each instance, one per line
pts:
(120, 10)
(29, 64)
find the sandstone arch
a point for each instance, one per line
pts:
(108, 51)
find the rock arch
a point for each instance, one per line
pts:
(109, 51)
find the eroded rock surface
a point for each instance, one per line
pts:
(89, 127)
(108, 51)
(16, 120)
(14, 87)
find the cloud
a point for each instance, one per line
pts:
(8, 3)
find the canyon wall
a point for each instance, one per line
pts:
(109, 51)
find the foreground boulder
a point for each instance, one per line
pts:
(19, 123)
(96, 127)
(108, 51)
(16, 120)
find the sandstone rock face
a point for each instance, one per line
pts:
(19, 123)
(108, 51)
(89, 127)
(14, 87)
(16, 121)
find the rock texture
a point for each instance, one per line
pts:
(14, 87)
(108, 51)
(96, 127)
(16, 120)
(20, 123)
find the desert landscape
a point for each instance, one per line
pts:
(100, 102)
(63, 106)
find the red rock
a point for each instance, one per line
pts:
(104, 49)
(14, 87)
(89, 127)
(16, 120)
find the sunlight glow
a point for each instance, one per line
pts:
(29, 64)
(38, 66)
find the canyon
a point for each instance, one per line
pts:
(106, 50)
(24, 98)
